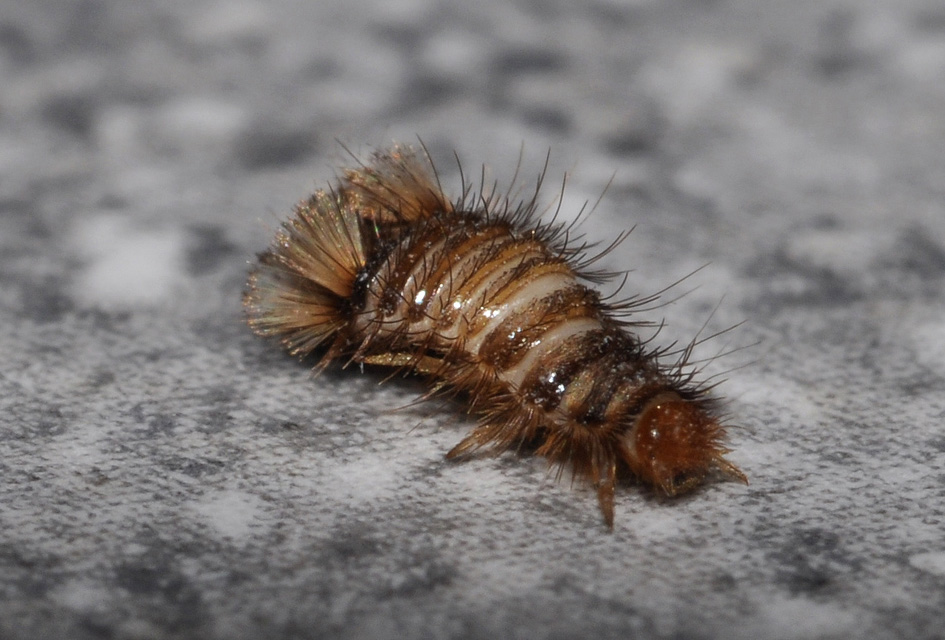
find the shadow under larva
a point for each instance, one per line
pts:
(488, 302)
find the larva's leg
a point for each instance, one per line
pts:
(493, 438)
(605, 495)
(481, 437)
(506, 426)
(427, 365)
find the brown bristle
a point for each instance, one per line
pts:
(491, 304)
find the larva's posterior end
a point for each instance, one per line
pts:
(675, 443)
(296, 290)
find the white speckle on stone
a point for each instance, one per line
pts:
(928, 340)
(358, 482)
(201, 119)
(783, 392)
(118, 130)
(230, 512)
(454, 53)
(845, 252)
(224, 21)
(658, 527)
(693, 77)
(931, 562)
(138, 629)
(126, 266)
(923, 59)
(83, 596)
(800, 618)
(403, 12)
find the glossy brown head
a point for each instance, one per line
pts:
(674, 443)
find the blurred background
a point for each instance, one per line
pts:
(164, 474)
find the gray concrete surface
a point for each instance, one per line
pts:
(165, 474)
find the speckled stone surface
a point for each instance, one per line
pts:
(165, 474)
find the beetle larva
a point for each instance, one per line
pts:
(477, 295)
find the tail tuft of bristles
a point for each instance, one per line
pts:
(399, 186)
(300, 288)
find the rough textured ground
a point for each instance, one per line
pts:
(165, 474)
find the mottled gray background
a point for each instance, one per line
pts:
(165, 474)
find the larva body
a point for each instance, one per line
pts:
(384, 269)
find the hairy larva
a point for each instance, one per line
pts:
(488, 302)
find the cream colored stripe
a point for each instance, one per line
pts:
(548, 341)
(538, 288)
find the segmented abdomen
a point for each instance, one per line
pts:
(504, 302)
